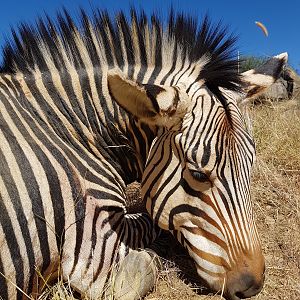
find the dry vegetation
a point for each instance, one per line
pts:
(276, 192)
(276, 195)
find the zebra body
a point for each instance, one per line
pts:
(56, 192)
(84, 113)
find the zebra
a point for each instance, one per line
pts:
(87, 108)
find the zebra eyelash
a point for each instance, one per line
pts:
(200, 176)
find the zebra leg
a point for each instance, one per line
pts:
(135, 277)
(136, 274)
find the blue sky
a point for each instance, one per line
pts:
(282, 18)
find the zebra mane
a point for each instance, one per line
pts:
(118, 41)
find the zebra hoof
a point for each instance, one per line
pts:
(135, 277)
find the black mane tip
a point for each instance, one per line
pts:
(30, 44)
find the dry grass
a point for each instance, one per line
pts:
(276, 192)
(276, 196)
(58, 292)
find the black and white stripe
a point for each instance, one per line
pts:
(86, 110)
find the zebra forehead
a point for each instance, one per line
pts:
(115, 41)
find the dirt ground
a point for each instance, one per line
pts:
(276, 198)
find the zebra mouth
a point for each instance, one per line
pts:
(250, 292)
(253, 287)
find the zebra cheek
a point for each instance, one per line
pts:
(164, 210)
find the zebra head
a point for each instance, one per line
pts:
(196, 182)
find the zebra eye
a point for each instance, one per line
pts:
(199, 176)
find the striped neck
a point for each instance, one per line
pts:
(74, 104)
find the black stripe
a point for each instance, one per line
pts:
(158, 49)
(15, 199)
(166, 198)
(178, 71)
(80, 217)
(163, 187)
(14, 249)
(106, 236)
(79, 222)
(102, 21)
(194, 119)
(141, 24)
(126, 31)
(3, 282)
(51, 139)
(158, 175)
(52, 178)
(87, 97)
(50, 114)
(33, 191)
(174, 59)
(95, 231)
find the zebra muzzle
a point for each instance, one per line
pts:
(245, 285)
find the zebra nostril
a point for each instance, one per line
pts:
(239, 295)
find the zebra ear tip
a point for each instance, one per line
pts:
(117, 77)
(283, 56)
(113, 74)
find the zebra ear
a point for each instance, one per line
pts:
(148, 102)
(131, 96)
(258, 80)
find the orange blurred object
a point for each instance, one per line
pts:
(262, 27)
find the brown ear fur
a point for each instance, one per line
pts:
(132, 97)
(153, 104)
